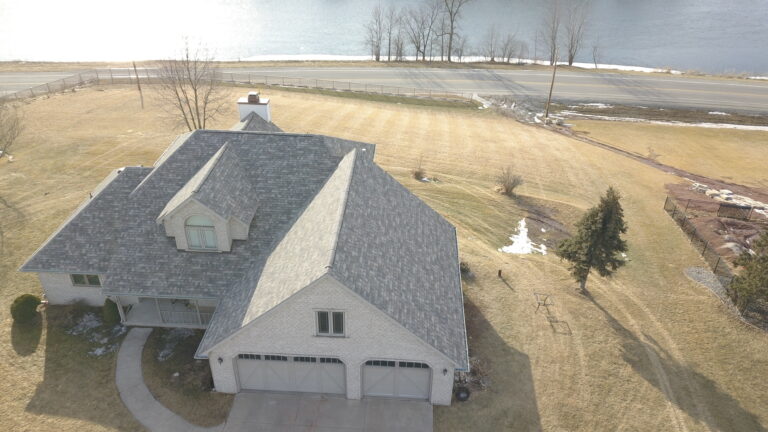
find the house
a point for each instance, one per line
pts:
(308, 266)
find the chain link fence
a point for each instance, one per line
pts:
(716, 262)
(150, 76)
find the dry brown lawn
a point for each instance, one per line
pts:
(737, 156)
(649, 349)
(182, 383)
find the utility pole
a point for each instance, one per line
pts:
(138, 83)
(551, 86)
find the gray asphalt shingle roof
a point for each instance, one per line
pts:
(254, 123)
(366, 229)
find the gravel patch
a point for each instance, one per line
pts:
(705, 277)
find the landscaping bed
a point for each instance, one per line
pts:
(181, 383)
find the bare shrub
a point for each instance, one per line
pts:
(652, 155)
(508, 181)
(419, 173)
(466, 271)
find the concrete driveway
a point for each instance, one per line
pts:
(286, 412)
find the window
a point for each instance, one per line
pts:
(382, 363)
(85, 280)
(275, 358)
(305, 359)
(201, 233)
(330, 323)
(329, 360)
(249, 356)
(413, 365)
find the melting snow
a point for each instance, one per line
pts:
(720, 113)
(666, 123)
(521, 244)
(170, 340)
(592, 105)
(87, 323)
(92, 328)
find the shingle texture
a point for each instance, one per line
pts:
(254, 123)
(402, 257)
(323, 206)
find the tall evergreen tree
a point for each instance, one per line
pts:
(752, 283)
(597, 244)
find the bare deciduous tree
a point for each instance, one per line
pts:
(190, 89)
(550, 32)
(419, 25)
(11, 126)
(392, 20)
(509, 48)
(491, 44)
(522, 52)
(459, 46)
(399, 44)
(374, 32)
(453, 13)
(596, 52)
(575, 25)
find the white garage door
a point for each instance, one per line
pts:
(396, 379)
(291, 373)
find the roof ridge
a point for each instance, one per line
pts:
(176, 144)
(209, 169)
(343, 208)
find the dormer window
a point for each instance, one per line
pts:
(201, 234)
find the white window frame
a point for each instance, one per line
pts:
(331, 326)
(87, 283)
(200, 231)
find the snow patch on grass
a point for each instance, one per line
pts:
(105, 338)
(86, 324)
(667, 123)
(522, 244)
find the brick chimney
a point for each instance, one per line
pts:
(254, 103)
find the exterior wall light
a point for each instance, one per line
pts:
(221, 360)
(445, 371)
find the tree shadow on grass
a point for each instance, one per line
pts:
(76, 384)
(26, 337)
(509, 402)
(715, 408)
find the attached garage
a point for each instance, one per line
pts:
(291, 373)
(398, 379)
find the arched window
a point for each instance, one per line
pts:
(200, 233)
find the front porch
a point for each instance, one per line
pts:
(165, 312)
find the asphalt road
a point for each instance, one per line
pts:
(606, 87)
(14, 81)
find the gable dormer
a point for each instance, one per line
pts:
(213, 208)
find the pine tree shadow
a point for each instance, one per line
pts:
(714, 408)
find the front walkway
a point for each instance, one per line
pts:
(136, 396)
(302, 412)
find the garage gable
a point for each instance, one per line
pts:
(291, 328)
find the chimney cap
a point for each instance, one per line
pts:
(253, 97)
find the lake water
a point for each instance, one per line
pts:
(708, 35)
